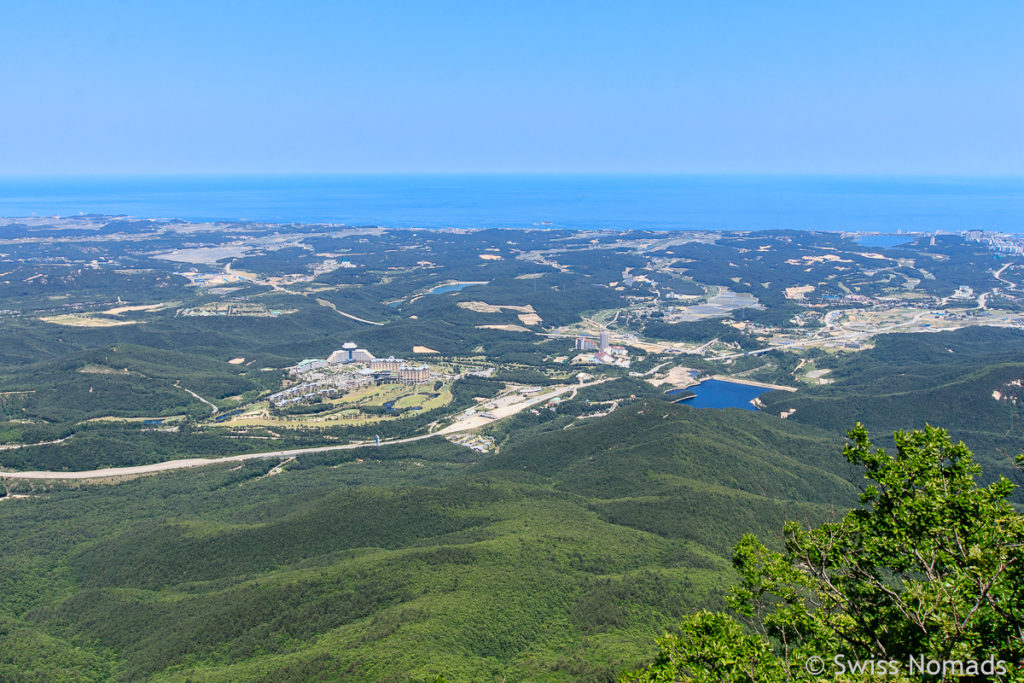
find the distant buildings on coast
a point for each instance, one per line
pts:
(996, 241)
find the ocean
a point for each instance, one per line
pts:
(657, 202)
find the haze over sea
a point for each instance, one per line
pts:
(659, 202)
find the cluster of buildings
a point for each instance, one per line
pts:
(395, 369)
(996, 241)
(319, 387)
(210, 279)
(347, 369)
(474, 442)
(605, 353)
(230, 308)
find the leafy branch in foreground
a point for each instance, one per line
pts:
(930, 569)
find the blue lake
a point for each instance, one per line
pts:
(715, 393)
(458, 287)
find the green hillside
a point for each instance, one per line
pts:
(561, 557)
(969, 381)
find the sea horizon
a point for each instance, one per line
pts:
(607, 201)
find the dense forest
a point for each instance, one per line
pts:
(562, 557)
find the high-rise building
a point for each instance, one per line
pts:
(586, 344)
(605, 340)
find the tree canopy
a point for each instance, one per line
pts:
(925, 580)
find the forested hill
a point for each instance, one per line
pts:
(675, 470)
(560, 557)
(970, 381)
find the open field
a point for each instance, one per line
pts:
(202, 255)
(85, 320)
(156, 418)
(150, 307)
(678, 377)
(484, 307)
(504, 328)
(345, 409)
(423, 349)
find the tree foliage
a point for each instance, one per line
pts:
(929, 568)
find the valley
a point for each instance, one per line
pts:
(252, 451)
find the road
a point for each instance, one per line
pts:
(13, 446)
(466, 424)
(999, 276)
(195, 462)
(198, 397)
(322, 302)
(328, 304)
(474, 421)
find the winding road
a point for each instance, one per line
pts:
(462, 425)
(198, 397)
(328, 304)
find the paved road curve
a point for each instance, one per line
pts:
(462, 425)
(194, 462)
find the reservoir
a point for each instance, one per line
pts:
(456, 287)
(715, 393)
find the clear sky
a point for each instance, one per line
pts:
(434, 86)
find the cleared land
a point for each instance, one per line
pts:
(677, 377)
(127, 309)
(77, 320)
(484, 307)
(463, 425)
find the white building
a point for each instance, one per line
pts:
(389, 363)
(349, 353)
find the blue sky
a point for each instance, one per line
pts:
(693, 87)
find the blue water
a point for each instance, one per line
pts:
(563, 201)
(884, 240)
(444, 289)
(715, 393)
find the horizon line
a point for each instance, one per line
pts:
(648, 174)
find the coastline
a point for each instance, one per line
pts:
(671, 202)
